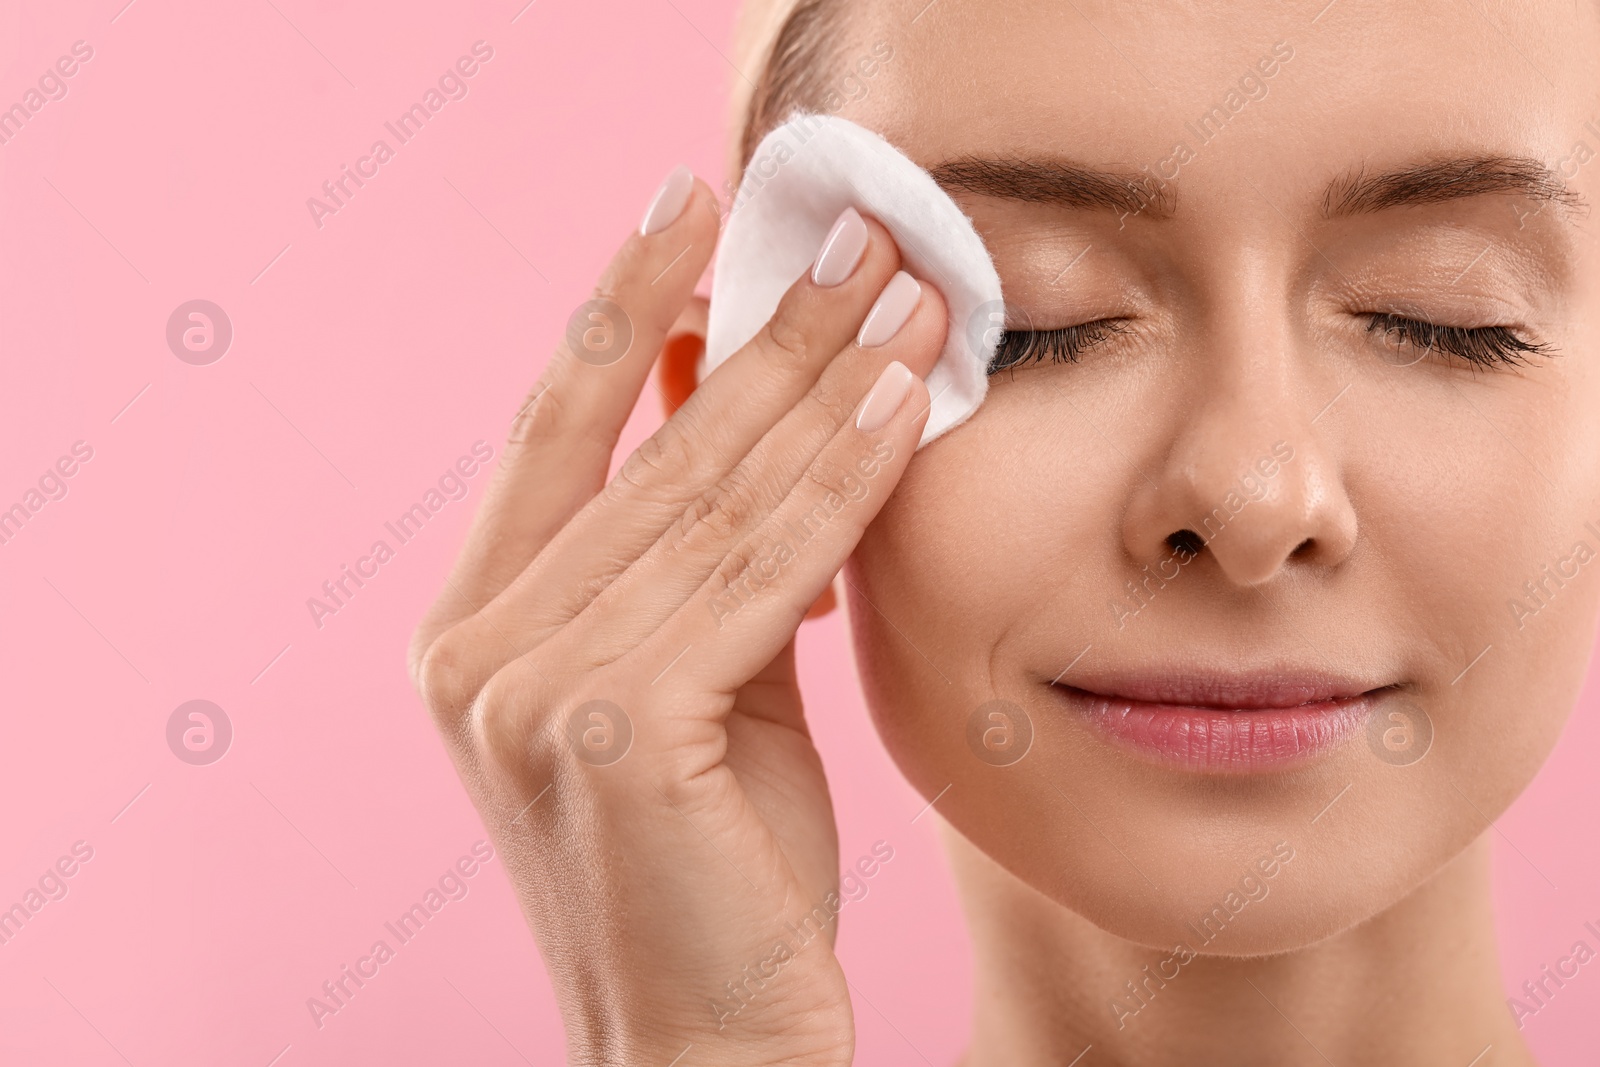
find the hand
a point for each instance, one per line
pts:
(612, 663)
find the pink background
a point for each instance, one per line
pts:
(367, 356)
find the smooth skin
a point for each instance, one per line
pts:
(652, 881)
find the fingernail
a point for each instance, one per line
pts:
(669, 201)
(895, 305)
(841, 249)
(885, 397)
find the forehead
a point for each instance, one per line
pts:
(1296, 90)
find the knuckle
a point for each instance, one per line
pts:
(537, 421)
(831, 399)
(824, 417)
(444, 678)
(833, 473)
(737, 571)
(505, 719)
(693, 515)
(589, 588)
(822, 492)
(618, 282)
(522, 737)
(663, 460)
(723, 511)
(787, 336)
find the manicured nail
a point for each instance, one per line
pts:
(895, 305)
(841, 249)
(885, 397)
(669, 201)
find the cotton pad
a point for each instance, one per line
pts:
(803, 174)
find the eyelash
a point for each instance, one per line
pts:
(1481, 346)
(1064, 345)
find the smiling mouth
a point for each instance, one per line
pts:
(1224, 724)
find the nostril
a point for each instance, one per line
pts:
(1186, 542)
(1304, 548)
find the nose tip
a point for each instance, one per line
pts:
(1254, 511)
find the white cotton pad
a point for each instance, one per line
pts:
(801, 177)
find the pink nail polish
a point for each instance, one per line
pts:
(669, 201)
(895, 305)
(884, 398)
(841, 249)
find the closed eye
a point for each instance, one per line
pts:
(1482, 346)
(1064, 345)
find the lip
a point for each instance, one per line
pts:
(1223, 723)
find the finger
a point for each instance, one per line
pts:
(717, 426)
(745, 612)
(714, 430)
(560, 443)
(671, 572)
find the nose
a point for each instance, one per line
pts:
(1245, 477)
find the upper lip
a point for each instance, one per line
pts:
(1260, 689)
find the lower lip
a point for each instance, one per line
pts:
(1222, 740)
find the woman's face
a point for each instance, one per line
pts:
(1263, 567)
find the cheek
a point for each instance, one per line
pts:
(1478, 504)
(915, 573)
(1003, 540)
(1001, 516)
(997, 526)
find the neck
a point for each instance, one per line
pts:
(1416, 984)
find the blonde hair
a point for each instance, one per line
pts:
(782, 50)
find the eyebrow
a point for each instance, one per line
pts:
(1055, 181)
(1437, 181)
(1068, 184)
